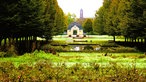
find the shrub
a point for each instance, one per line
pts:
(125, 49)
(114, 56)
(95, 66)
(118, 49)
(57, 48)
(11, 51)
(109, 45)
(2, 54)
(46, 47)
(141, 56)
(50, 48)
(44, 71)
(124, 56)
(88, 47)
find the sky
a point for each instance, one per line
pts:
(73, 6)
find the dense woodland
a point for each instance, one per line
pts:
(122, 17)
(21, 21)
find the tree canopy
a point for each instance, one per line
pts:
(121, 17)
(88, 26)
(24, 20)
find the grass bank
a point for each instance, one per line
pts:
(71, 58)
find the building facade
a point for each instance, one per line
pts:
(75, 30)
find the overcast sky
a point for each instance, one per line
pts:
(73, 6)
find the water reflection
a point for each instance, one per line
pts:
(84, 47)
(77, 48)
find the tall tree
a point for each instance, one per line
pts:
(101, 18)
(30, 18)
(54, 22)
(70, 18)
(29, 14)
(87, 26)
(130, 17)
(8, 18)
(99, 22)
(142, 4)
(112, 20)
(60, 21)
(49, 19)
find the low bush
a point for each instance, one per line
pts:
(50, 48)
(109, 45)
(141, 56)
(88, 47)
(3, 54)
(45, 71)
(126, 49)
(118, 49)
(10, 51)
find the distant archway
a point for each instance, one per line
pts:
(74, 32)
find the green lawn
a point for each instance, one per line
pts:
(127, 59)
(71, 58)
(90, 37)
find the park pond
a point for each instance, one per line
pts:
(81, 47)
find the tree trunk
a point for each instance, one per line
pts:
(145, 41)
(26, 44)
(134, 39)
(1, 41)
(13, 40)
(5, 42)
(34, 38)
(130, 40)
(31, 37)
(114, 38)
(34, 43)
(16, 40)
(141, 40)
(9, 41)
(125, 39)
(138, 40)
(33, 46)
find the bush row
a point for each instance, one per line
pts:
(119, 49)
(111, 48)
(49, 47)
(43, 71)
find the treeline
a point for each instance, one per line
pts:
(122, 17)
(24, 20)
